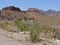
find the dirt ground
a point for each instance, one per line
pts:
(9, 38)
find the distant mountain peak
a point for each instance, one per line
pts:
(51, 11)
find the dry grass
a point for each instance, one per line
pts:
(36, 29)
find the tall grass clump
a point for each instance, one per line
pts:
(34, 32)
(20, 25)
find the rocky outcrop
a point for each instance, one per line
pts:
(33, 10)
(11, 8)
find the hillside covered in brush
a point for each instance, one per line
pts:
(50, 17)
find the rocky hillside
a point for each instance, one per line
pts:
(50, 17)
(11, 13)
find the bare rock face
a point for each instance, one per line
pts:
(11, 8)
(33, 10)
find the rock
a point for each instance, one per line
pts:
(11, 8)
(33, 10)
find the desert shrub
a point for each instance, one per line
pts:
(56, 33)
(25, 18)
(50, 32)
(4, 25)
(36, 29)
(20, 24)
(34, 32)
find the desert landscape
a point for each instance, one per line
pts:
(29, 27)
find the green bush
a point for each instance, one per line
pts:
(20, 24)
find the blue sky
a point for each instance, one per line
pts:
(25, 4)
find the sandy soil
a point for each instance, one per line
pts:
(9, 38)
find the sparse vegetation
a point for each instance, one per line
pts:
(42, 25)
(4, 25)
(34, 32)
(20, 24)
(36, 29)
(50, 32)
